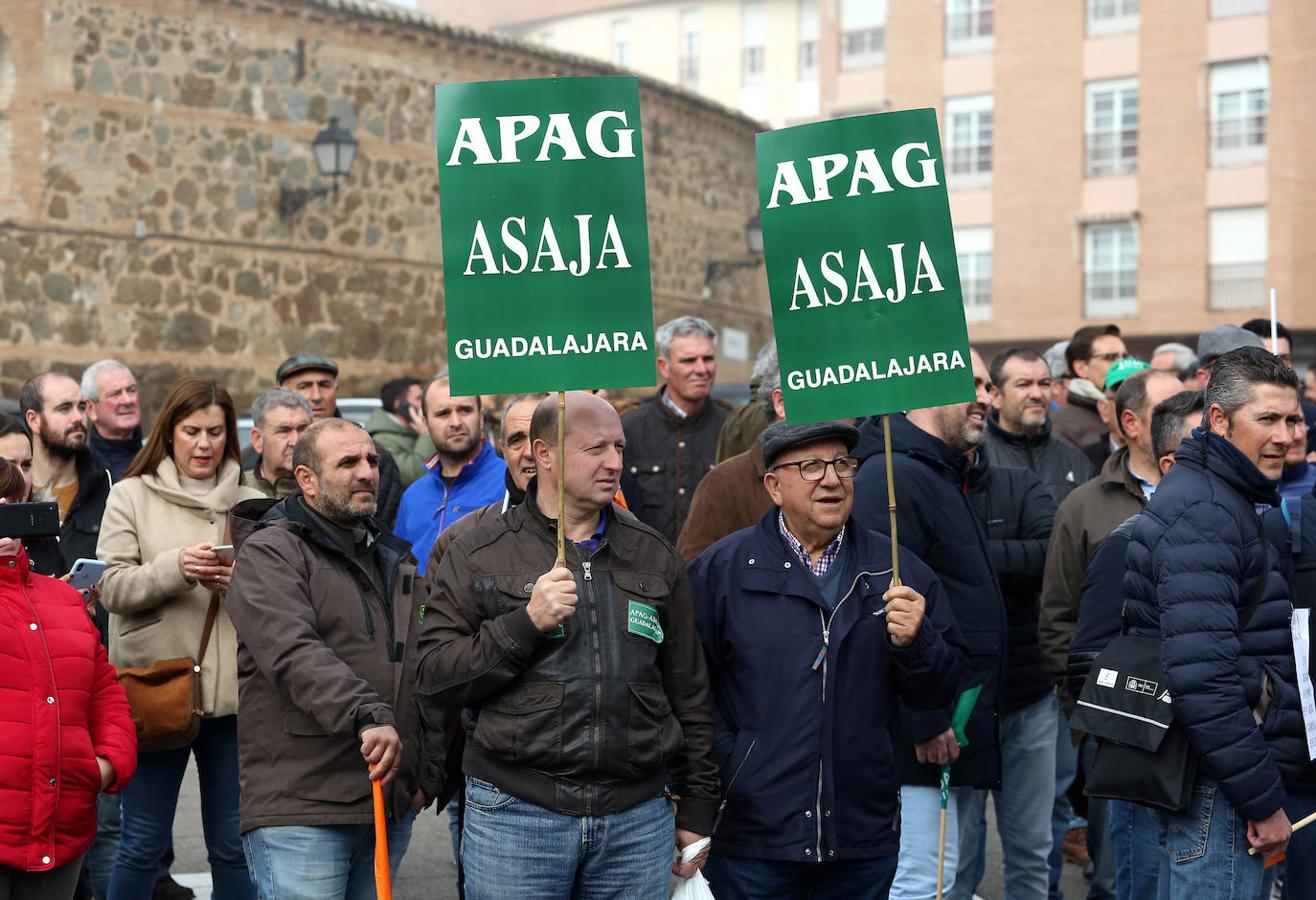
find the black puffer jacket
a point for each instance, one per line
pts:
(666, 458)
(1061, 466)
(1017, 513)
(938, 523)
(1195, 559)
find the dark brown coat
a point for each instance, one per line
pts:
(730, 498)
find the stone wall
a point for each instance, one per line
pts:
(143, 144)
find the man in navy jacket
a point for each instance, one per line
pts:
(1197, 560)
(808, 648)
(937, 524)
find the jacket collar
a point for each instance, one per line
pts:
(676, 420)
(1115, 474)
(1208, 452)
(473, 467)
(914, 442)
(15, 569)
(250, 516)
(1017, 440)
(165, 481)
(622, 540)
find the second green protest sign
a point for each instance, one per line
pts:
(545, 238)
(861, 267)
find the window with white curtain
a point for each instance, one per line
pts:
(863, 33)
(970, 26)
(1240, 109)
(1110, 269)
(751, 42)
(969, 140)
(1112, 16)
(1240, 244)
(1112, 127)
(973, 249)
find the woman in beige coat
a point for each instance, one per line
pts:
(161, 524)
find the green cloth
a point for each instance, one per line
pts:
(409, 450)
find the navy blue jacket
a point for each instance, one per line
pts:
(808, 771)
(1195, 559)
(938, 525)
(1100, 615)
(1292, 530)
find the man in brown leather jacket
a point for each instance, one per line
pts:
(586, 683)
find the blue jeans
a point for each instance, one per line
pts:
(738, 878)
(99, 861)
(320, 862)
(515, 849)
(1023, 807)
(1102, 886)
(920, 817)
(1137, 850)
(1204, 851)
(1300, 871)
(1062, 812)
(149, 802)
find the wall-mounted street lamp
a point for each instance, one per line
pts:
(753, 241)
(335, 151)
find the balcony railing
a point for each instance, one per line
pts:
(1237, 286)
(977, 299)
(1111, 294)
(863, 48)
(1238, 141)
(1112, 152)
(1228, 9)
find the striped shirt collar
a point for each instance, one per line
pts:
(828, 555)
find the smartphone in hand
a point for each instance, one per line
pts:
(86, 573)
(224, 552)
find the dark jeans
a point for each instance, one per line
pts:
(738, 878)
(149, 802)
(1300, 867)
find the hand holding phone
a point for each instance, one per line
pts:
(86, 573)
(225, 552)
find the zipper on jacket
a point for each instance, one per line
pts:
(54, 692)
(726, 793)
(365, 609)
(587, 566)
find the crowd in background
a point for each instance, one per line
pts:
(1026, 519)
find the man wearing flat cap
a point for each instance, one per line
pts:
(810, 649)
(315, 377)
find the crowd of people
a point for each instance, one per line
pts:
(728, 648)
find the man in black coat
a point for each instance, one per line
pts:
(114, 411)
(938, 523)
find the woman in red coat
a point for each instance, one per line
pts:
(66, 732)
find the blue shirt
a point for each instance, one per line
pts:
(429, 505)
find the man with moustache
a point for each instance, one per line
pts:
(464, 475)
(115, 412)
(323, 602)
(938, 524)
(278, 418)
(585, 683)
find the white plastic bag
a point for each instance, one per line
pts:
(694, 887)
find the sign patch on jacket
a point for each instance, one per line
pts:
(642, 619)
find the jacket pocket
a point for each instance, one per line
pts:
(653, 735)
(134, 625)
(524, 724)
(302, 724)
(643, 596)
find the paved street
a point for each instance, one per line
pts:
(428, 872)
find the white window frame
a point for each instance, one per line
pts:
(1106, 142)
(973, 250)
(1230, 9)
(862, 33)
(969, 162)
(1239, 242)
(1110, 291)
(621, 42)
(1240, 112)
(970, 26)
(1113, 16)
(691, 49)
(752, 40)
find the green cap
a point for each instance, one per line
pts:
(1122, 370)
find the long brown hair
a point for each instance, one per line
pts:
(12, 485)
(184, 398)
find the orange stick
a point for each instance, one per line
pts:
(383, 875)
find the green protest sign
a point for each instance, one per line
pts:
(545, 237)
(861, 266)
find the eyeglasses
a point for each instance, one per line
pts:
(816, 469)
(1109, 357)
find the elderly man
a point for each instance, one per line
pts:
(1204, 579)
(278, 417)
(115, 412)
(323, 601)
(464, 475)
(812, 796)
(586, 682)
(731, 496)
(316, 378)
(671, 439)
